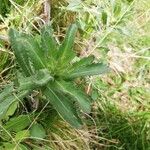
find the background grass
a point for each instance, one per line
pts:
(117, 32)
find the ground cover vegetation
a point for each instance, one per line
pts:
(74, 75)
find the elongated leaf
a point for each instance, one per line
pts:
(41, 78)
(11, 110)
(66, 54)
(20, 52)
(27, 51)
(82, 99)
(49, 44)
(63, 106)
(83, 62)
(34, 52)
(18, 123)
(90, 70)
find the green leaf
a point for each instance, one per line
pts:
(21, 135)
(26, 85)
(90, 70)
(49, 44)
(8, 89)
(17, 124)
(20, 52)
(33, 50)
(63, 106)
(37, 131)
(66, 54)
(11, 110)
(82, 99)
(41, 78)
(83, 62)
(8, 97)
(5, 104)
(104, 18)
(10, 146)
(27, 51)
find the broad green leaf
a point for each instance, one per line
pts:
(63, 106)
(66, 54)
(90, 70)
(20, 52)
(82, 99)
(17, 124)
(11, 110)
(21, 135)
(37, 131)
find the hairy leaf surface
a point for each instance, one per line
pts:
(66, 54)
(82, 99)
(63, 106)
(90, 70)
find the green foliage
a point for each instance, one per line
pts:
(37, 131)
(10, 146)
(48, 67)
(4, 7)
(22, 135)
(17, 124)
(116, 31)
(130, 130)
(11, 94)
